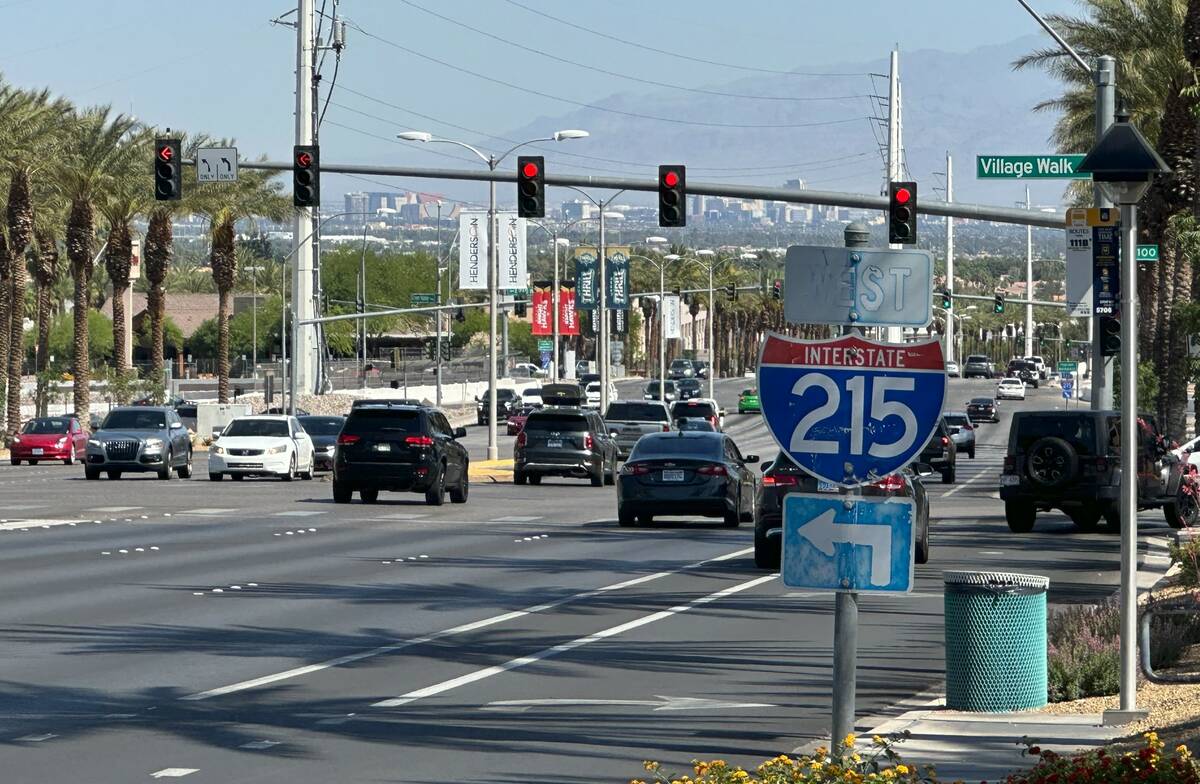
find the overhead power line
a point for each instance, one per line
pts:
(617, 74)
(594, 107)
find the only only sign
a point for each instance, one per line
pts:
(850, 410)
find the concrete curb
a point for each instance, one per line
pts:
(495, 471)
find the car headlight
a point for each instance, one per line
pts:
(59, 442)
(277, 450)
(218, 450)
(153, 443)
(16, 439)
(95, 442)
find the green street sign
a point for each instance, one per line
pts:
(1146, 253)
(545, 345)
(1068, 367)
(1029, 167)
(423, 299)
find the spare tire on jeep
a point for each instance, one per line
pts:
(1051, 462)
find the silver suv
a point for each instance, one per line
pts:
(142, 439)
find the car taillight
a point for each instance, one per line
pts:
(1010, 464)
(892, 483)
(945, 441)
(712, 421)
(1101, 464)
(522, 439)
(713, 469)
(588, 441)
(346, 438)
(780, 480)
(635, 469)
(666, 428)
(419, 441)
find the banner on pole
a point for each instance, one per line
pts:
(510, 231)
(568, 317)
(670, 305)
(587, 267)
(617, 272)
(1082, 224)
(543, 303)
(472, 250)
(620, 323)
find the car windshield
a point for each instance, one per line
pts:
(135, 420)
(982, 401)
(532, 392)
(322, 426)
(637, 412)
(573, 423)
(750, 392)
(977, 358)
(681, 363)
(693, 408)
(368, 421)
(673, 445)
(257, 427)
(1011, 382)
(594, 387)
(589, 377)
(693, 425)
(652, 387)
(956, 420)
(45, 426)
(1078, 431)
(688, 383)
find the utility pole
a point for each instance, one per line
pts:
(602, 344)
(1028, 280)
(303, 343)
(437, 263)
(949, 348)
(1105, 74)
(895, 152)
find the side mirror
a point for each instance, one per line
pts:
(765, 466)
(750, 459)
(176, 425)
(460, 432)
(613, 434)
(922, 469)
(721, 412)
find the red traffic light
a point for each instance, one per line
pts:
(671, 179)
(304, 159)
(530, 169)
(903, 195)
(165, 153)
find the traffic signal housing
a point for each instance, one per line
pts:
(902, 213)
(519, 309)
(1110, 336)
(731, 292)
(672, 196)
(306, 175)
(168, 170)
(777, 290)
(531, 186)
(998, 304)
(947, 300)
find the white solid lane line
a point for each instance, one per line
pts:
(579, 642)
(400, 645)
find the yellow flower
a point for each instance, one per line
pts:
(849, 740)
(856, 758)
(650, 765)
(1183, 751)
(701, 768)
(889, 773)
(878, 740)
(902, 769)
(815, 765)
(820, 752)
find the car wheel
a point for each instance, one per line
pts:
(1020, 516)
(610, 476)
(91, 473)
(597, 478)
(766, 550)
(368, 496)
(948, 476)
(535, 479)
(1086, 518)
(307, 475)
(342, 493)
(733, 517)
(70, 458)
(519, 477)
(237, 477)
(15, 461)
(645, 519)
(626, 517)
(185, 470)
(165, 472)
(921, 552)
(458, 495)
(114, 474)
(971, 453)
(1184, 512)
(291, 472)
(436, 495)
(1112, 518)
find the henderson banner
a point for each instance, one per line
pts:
(617, 271)
(568, 317)
(587, 268)
(671, 316)
(513, 265)
(543, 303)
(472, 250)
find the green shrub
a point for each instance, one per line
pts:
(1187, 555)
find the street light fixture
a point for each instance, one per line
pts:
(492, 160)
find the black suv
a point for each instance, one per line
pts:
(1068, 460)
(1024, 370)
(386, 445)
(941, 453)
(507, 402)
(565, 442)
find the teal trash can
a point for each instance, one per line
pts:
(995, 641)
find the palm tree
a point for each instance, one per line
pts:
(156, 260)
(92, 147)
(255, 194)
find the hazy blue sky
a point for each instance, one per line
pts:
(219, 66)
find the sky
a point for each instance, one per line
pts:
(221, 67)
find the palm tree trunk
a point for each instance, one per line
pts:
(223, 299)
(223, 260)
(157, 260)
(117, 260)
(1179, 370)
(16, 339)
(1161, 348)
(5, 315)
(46, 274)
(80, 237)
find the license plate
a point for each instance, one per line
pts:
(382, 447)
(554, 443)
(1008, 480)
(39, 451)
(826, 487)
(672, 476)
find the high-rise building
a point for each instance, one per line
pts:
(356, 202)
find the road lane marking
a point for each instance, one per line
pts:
(114, 508)
(299, 513)
(209, 511)
(962, 486)
(173, 773)
(22, 525)
(515, 519)
(400, 645)
(578, 642)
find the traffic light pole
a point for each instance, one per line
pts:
(948, 349)
(303, 345)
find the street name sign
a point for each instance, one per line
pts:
(1146, 253)
(861, 286)
(1029, 167)
(216, 164)
(423, 299)
(545, 345)
(850, 410)
(838, 543)
(1068, 366)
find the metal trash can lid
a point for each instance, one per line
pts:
(999, 582)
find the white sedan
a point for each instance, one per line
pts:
(267, 445)
(592, 391)
(1010, 389)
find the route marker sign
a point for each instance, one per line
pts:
(836, 543)
(850, 410)
(423, 299)
(865, 286)
(216, 164)
(1146, 253)
(1029, 167)
(1068, 389)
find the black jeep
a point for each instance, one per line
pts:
(1069, 460)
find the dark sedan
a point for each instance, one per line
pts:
(323, 430)
(686, 473)
(982, 409)
(781, 477)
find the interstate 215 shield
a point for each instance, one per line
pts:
(850, 410)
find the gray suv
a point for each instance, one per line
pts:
(564, 442)
(140, 438)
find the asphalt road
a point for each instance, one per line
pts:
(256, 632)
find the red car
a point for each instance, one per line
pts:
(49, 438)
(516, 422)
